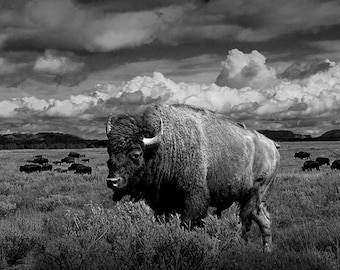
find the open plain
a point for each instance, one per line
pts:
(53, 220)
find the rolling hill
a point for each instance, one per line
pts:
(46, 140)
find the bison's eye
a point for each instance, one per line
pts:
(135, 155)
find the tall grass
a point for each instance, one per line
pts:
(66, 221)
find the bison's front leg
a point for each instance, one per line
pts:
(195, 208)
(262, 217)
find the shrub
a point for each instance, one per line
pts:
(51, 202)
(7, 205)
(15, 246)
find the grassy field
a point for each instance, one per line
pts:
(53, 220)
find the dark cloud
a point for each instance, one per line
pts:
(68, 46)
(52, 68)
(301, 70)
(86, 26)
(12, 80)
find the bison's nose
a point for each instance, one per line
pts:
(117, 182)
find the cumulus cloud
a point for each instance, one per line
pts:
(252, 93)
(241, 70)
(8, 108)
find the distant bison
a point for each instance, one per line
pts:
(85, 160)
(302, 155)
(310, 165)
(75, 155)
(322, 160)
(67, 160)
(60, 170)
(335, 165)
(40, 160)
(57, 162)
(46, 167)
(83, 169)
(184, 159)
(74, 166)
(30, 168)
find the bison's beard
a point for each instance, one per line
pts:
(136, 196)
(135, 187)
(117, 195)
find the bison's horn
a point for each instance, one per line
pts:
(150, 142)
(109, 124)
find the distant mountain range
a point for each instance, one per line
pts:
(45, 140)
(285, 135)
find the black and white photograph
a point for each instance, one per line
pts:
(168, 134)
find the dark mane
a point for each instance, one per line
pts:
(126, 128)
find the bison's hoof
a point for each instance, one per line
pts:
(267, 248)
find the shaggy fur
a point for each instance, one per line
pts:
(203, 160)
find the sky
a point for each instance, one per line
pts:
(65, 65)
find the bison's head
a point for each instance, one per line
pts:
(127, 151)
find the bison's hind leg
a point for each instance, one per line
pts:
(253, 209)
(262, 217)
(247, 207)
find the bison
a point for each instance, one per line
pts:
(46, 167)
(28, 168)
(74, 166)
(83, 169)
(322, 160)
(60, 170)
(335, 165)
(85, 160)
(41, 160)
(184, 159)
(75, 155)
(309, 165)
(302, 155)
(67, 160)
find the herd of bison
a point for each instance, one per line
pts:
(39, 163)
(317, 163)
(42, 164)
